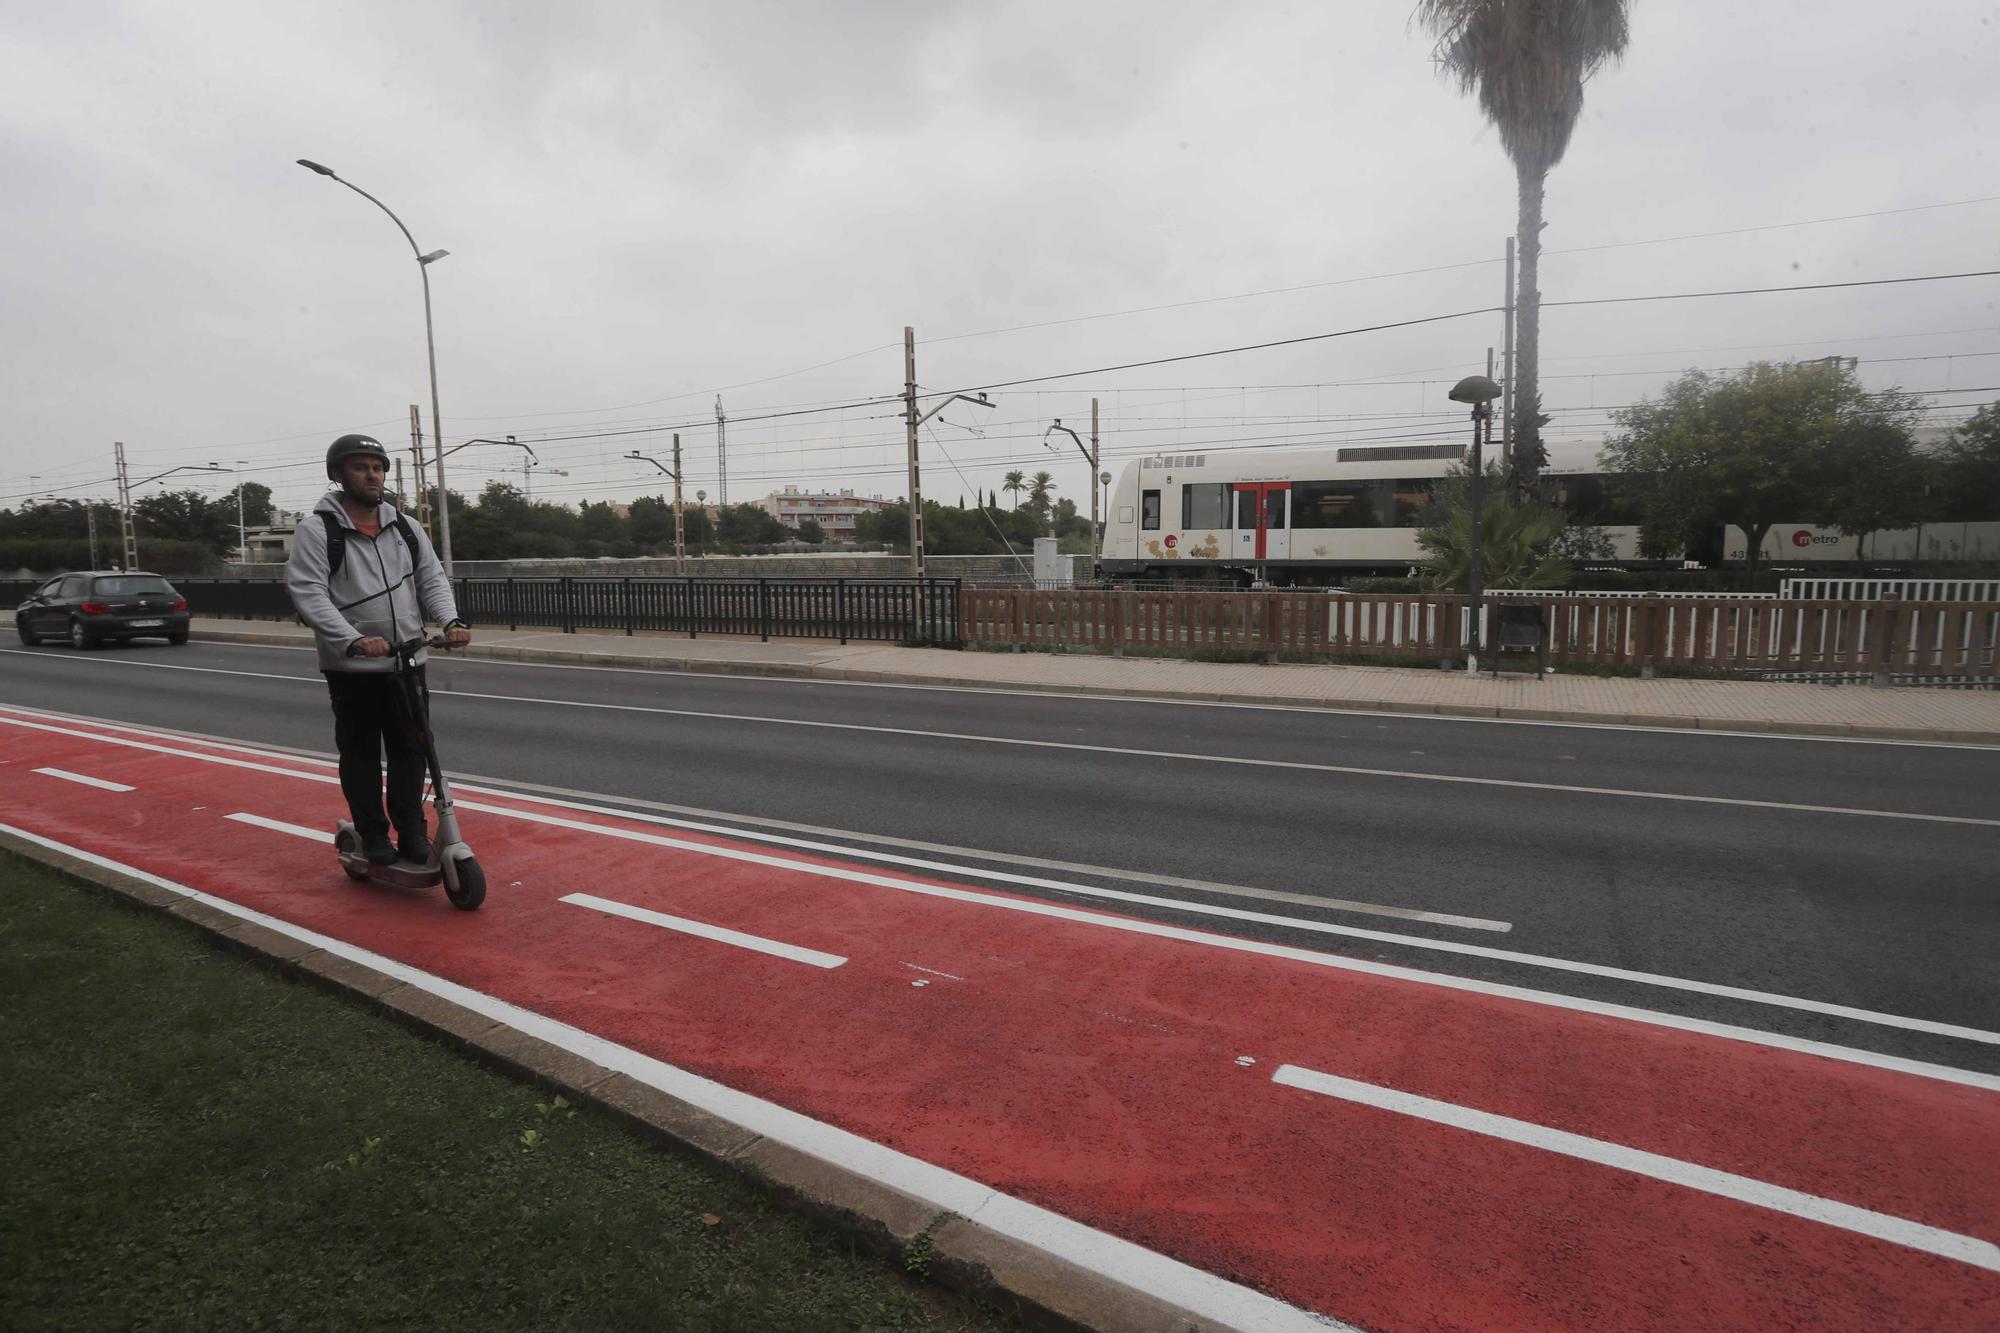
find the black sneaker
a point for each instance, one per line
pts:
(414, 846)
(377, 848)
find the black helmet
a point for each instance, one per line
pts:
(347, 446)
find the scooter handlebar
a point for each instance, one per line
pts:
(409, 647)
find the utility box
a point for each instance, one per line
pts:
(1520, 627)
(1052, 570)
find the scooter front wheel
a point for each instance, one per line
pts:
(470, 889)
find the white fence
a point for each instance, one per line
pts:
(1910, 590)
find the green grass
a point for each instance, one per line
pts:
(195, 1141)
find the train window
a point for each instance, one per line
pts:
(1149, 510)
(1246, 509)
(1593, 499)
(1333, 504)
(1274, 509)
(1205, 505)
(1360, 504)
(1406, 500)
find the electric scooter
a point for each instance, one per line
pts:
(450, 859)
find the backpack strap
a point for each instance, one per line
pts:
(336, 542)
(402, 525)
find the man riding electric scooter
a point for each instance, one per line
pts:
(365, 578)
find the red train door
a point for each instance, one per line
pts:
(1262, 530)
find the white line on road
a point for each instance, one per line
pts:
(776, 948)
(1335, 708)
(318, 835)
(1214, 1298)
(1813, 1208)
(1730, 1032)
(84, 779)
(1242, 761)
(733, 825)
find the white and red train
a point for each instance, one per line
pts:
(1322, 515)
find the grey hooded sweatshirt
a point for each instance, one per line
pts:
(376, 592)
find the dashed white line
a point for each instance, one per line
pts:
(318, 835)
(722, 934)
(84, 779)
(1777, 1198)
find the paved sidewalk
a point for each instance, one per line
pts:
(1970, 716)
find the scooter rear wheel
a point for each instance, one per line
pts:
(348, 843)
(471, 890)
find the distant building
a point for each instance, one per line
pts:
(834, 512)
(270, 545)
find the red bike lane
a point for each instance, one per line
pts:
(1120, 1072)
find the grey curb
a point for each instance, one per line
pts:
(1038, 1286)
(714, 667)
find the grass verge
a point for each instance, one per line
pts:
(195, 1141)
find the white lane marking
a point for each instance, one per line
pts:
(722, 934)
(1241, 761)
(1743, 1189)
(542, 791)
(318, 835)
(1137, 925)
(1095, 696)
(1204, 1293)
(84, 779)
(952, 976)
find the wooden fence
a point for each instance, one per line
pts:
(1884, 639)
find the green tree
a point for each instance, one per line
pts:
(600, 528)
(1042, 493)
(1877, 482)
(1518, 534)
(1966, 471)
(1773, 443)
(811, 531)
(1527, 60)
(749, 525)
(187, 516)
(1014, 483)
(257, 509)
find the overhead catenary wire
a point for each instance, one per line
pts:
(992, 385)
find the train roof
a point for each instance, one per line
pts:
(1417, 457)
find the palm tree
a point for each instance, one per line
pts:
(1041, 493)
(1528, 61)
(1519, 541)
(1014, 483)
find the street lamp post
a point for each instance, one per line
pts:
(424, 262)
(1479, 391)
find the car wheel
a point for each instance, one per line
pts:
(178, 638)
(28, 636)
(79, 637)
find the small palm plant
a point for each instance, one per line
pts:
(1517, 540)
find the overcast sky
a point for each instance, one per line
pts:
(647, 204)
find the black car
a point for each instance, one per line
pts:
(90, 608)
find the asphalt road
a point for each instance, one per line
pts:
(1843, 873)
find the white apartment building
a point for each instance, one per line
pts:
(835, 512)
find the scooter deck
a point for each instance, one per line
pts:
(408, 874)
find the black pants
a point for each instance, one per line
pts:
(371, 715)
